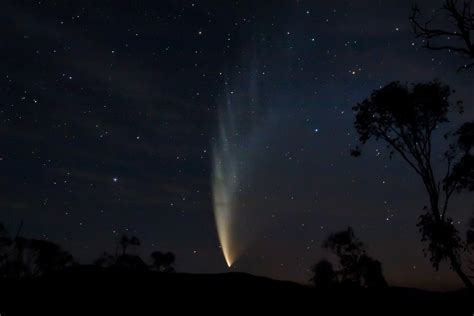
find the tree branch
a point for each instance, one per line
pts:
(463, 21)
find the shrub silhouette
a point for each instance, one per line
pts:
(162, 262)
(131, 262)
(105, 260)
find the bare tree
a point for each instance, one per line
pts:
(454, 36)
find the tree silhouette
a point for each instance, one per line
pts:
(46, 256)
(349, 249)
(123, 261)
(5, 248)
(371, 272)
(405, 118)
(163, 262)
(453, 35)
(470, 243)
(462, 176)
(5, 251)
(24, 257)
(126, 241)
(356, 267)
(324, 275)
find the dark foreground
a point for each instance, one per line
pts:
(94, 291)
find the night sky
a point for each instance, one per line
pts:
(110, 114)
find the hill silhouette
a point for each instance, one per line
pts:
(89, 289)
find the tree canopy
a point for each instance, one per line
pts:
(405, 118)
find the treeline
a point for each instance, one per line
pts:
(352, 268)
(22, 257)
(160, 262)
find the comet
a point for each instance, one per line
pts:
(238, 118)
(225, 181)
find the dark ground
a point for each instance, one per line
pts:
(95, 291)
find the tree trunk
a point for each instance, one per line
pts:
(457, 268)
(455, 264)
